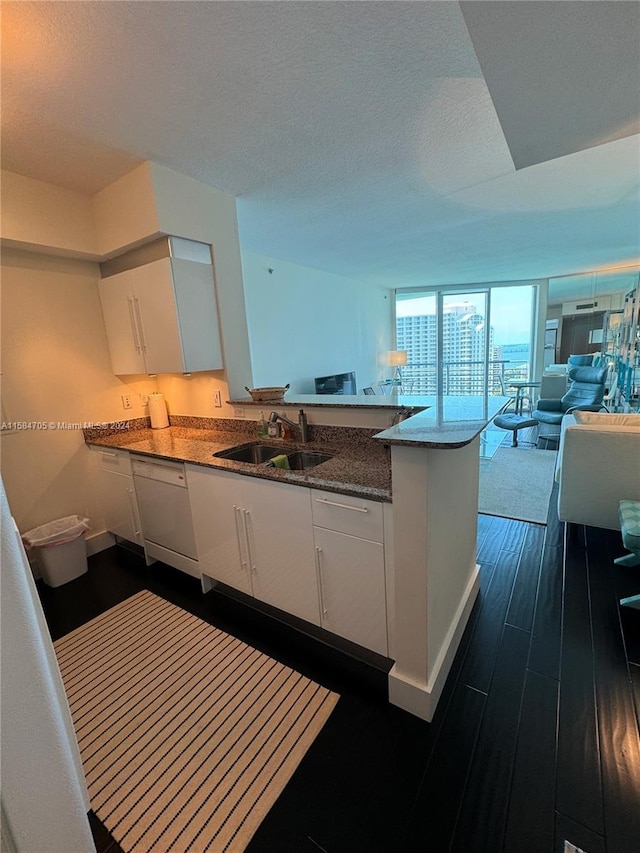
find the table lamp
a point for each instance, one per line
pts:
(397, 358)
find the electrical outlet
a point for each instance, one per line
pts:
(126, 401)
(238, 413)
(144, 399)
(217, 399)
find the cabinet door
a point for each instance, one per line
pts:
(218, 525)
(116, 494)
(280, 537)
(195, 296)
(155, 310)
(352, 588)
(123, 337)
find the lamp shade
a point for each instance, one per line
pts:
(396, 357)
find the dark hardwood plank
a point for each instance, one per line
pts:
(489, 549)
(617, 722)
(523, 597)
(436, 807)
(547, 619)
(555, 528)
(531, 816)
(578, 835)
(578, 749)
(479, 662)
(514, 536)
(483, 811)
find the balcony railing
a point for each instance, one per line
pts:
(463, 377)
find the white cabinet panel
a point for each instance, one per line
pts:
(197, 315)
(156, 313)
(118, 309)
(116, 494)
(257, 537)
(352, 588)
(280, 537)
(348, 514)
(162, 317)
(218, 524)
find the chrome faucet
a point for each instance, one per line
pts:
(302, 425)
(402, 415)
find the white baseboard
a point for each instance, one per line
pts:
(420, 698)
(172, 558)
(99, 542)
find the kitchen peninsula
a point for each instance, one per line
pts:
(424, 472)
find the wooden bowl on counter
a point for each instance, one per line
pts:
(271, 394)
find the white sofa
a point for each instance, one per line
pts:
(598, 466)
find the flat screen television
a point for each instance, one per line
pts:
(339, 383)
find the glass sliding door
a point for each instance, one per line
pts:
(469, 340)
(464, 362)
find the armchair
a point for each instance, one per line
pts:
(585, 392)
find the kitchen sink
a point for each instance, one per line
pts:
(256, 453)
(303, 459)
(261, 454)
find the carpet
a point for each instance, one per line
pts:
(187, 735)
(517, 483)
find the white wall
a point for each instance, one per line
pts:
(55, 368)
(305, 323)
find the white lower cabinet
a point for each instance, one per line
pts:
(314, 554)
(257, 537)
(350, 554)
(351, 581)
(116, 493)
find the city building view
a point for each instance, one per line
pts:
(465, 366)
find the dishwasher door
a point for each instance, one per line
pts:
(163, 503)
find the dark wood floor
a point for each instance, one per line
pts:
(536, 737)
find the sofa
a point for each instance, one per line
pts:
(598, 465)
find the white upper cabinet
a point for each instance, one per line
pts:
(162, 317)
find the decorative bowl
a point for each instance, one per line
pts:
(272, 394)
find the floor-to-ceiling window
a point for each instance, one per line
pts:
(466, 340)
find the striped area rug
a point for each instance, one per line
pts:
(187, 735)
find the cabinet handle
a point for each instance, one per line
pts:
(109, 453)
(247, 520)
(342, 506)
(134, 515)
(143, 343)
(134, 328)
(323, 610)
(243, 562)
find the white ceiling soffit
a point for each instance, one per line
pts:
(563, 76)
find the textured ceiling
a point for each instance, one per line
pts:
(577, 62)
(360, 138)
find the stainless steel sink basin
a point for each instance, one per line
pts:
(303, 459)
(261, 454)
(256, 454)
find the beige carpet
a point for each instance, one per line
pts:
(517, 483)
(187, 735)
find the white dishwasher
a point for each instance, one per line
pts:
(165, 513)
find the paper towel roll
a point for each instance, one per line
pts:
(158, 411)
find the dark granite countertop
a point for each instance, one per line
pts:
(449, 422)
(360, 463)
(359, 469)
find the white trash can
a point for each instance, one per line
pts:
(61, 549)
